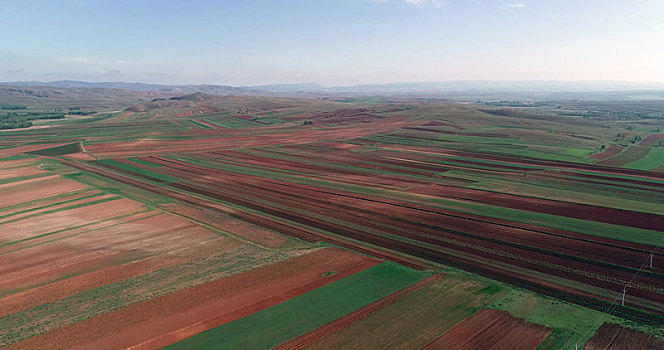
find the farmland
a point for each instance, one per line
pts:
(189, 221)
(491, 328)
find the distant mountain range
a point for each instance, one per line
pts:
(447, 89)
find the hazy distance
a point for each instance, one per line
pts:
(331, 42)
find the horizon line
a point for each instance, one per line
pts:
(336, 85)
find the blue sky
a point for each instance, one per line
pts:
(333, 42)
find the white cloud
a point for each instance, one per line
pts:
(432, 3)
(76, 59)
(513, 6)
(93, 61)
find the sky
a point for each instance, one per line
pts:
(331, 42)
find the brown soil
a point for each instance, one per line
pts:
(494, 247)
(41, 203)
(176, 316)
(19, 216)
(613, 336)
(22, 171)
(31, 227)
(235, 138)
(654, 138)
(611, 151)
(573, 210)
(101, 254)
(21, 192)
(230, 224)
(492, 329)
(80, 156)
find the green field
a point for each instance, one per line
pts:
(652, 160)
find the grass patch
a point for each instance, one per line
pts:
(145, 162)
(652, 160)
(60, 150)
(137, 170)
(19, 157)
(22, 178)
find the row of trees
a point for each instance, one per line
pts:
(14, 125)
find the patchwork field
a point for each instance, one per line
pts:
(247, 222)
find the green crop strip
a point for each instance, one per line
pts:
(600, 229)
(111, 186)
(145, 162)
(201, 125)
(52, 205)
(304, 313)
(24, 204)
(137, 170)
(65, 208)
(19, 157)
(23, 178)
(627, 177)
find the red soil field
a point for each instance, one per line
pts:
(46, 223)
(23, 171)
(317, 334)
(439, 131)
(650, 139)
(56, 207)
(45, 202)
(176, 316)
(611, 151)
(81, 156)
(578, 211)
(27, 181)
(100, 254)
(615, 337)
(530, 162)
(14, 151)
(206, 124)
(21, 192)
(271, 223)
(230, 224)
(17, 162)
(234, 138)
(448, 231)
(492, 329)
